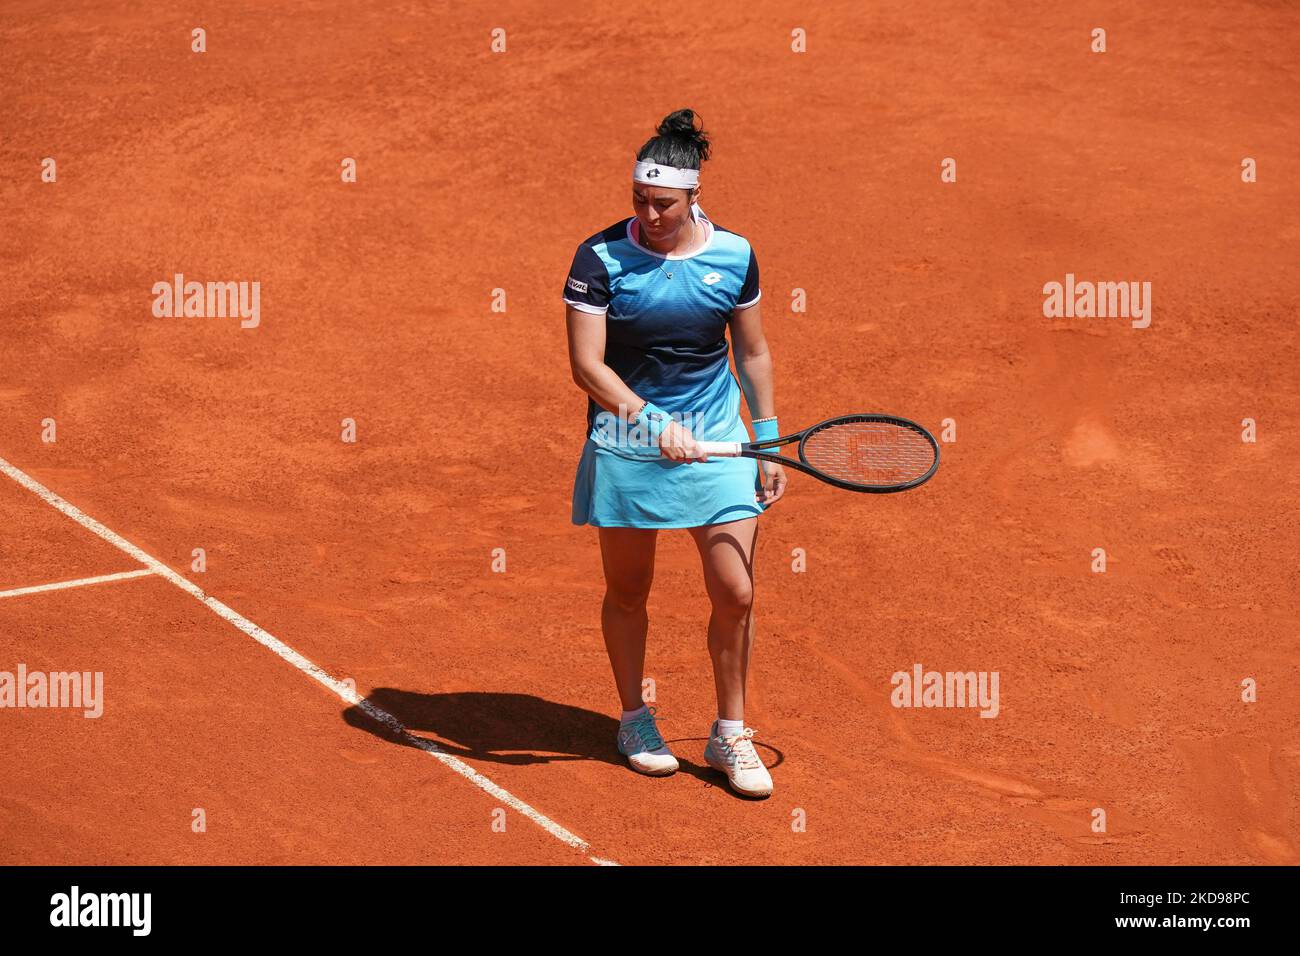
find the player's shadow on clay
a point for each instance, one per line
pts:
(514, 729)
(504, 728)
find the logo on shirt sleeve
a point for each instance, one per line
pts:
(577, 286)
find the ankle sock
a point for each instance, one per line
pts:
(730, 728)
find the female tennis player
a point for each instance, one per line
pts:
(649, 300)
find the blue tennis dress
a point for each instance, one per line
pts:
(666, 338)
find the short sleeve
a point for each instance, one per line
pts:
(749, 291)
(587, 287)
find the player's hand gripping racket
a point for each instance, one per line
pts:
(872, 453)
(876, 454)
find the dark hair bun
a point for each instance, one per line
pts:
(680, 125)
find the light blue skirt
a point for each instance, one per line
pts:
(613, 491)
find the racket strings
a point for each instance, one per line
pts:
(869, 453)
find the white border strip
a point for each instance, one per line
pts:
(287, 653)
(80, 582)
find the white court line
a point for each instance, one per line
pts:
(284, 651)
(80, 582)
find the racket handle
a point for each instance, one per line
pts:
(722, 449)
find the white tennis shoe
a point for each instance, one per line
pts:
(736, 757)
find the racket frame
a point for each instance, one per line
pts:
(757, 449)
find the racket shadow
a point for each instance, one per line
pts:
(514, 729)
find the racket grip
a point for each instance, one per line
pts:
(722, 449)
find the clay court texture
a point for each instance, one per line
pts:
(392, 650)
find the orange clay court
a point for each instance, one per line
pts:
(334, 565)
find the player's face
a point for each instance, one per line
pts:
(661, 211)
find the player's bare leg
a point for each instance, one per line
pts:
(727, 552)
(727, 555)
(628, 555)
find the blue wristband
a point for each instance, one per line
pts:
(654, 420)
(766, 430)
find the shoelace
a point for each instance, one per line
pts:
(741, 752)
(645, 727)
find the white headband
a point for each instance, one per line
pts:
(656, 174)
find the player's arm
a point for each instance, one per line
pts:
(587, 362)
(607, 389)
(753, 361)
(754, 368)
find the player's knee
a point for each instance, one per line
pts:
(630, 595)
(734, 598)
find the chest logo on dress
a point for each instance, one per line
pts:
(711, 278)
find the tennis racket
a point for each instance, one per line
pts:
(877, 454)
